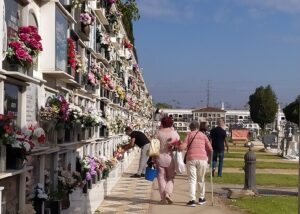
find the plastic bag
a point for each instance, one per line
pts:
(154, 148)
(179, 164)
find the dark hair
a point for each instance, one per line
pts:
(128, 129)
(166, 122)
(203, 126)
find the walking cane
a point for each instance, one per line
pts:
(211, 181)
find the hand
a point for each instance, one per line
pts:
(227, 149)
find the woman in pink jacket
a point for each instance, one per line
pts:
(199, 151)
(165, 162)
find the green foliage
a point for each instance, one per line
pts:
(130, 12)
(163, 105)
(277, 180)
(263, 106)
(268, 204)
(182, 135)
(258, 155)
(129, 9)
(260, 165)
(291, 111)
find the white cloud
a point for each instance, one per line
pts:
(158, 8)
(288, 6)
(167, 9)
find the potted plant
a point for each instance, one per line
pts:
(87, 19)
(54, 200)
(39, 196)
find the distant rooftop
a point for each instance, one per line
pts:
(209, 109)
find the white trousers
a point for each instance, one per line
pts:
(196, 175)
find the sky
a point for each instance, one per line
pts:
(227, 47)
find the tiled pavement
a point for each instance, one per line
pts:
(130, 195)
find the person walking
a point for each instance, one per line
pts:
(165, 162)
(139, 139)
(198, 155)
(218, 138)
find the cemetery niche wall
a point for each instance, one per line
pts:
(69, 84)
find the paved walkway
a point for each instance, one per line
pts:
(130, 195)
(136, 195)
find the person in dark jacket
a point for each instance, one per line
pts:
(139, 139)
(218, 138)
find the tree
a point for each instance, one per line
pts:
(291, 111)
(163, 105)
(263, 106)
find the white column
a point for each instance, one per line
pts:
(1, 189)
(21, 120)
(42, 169)
(22, 192)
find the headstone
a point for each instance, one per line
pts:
(31, 101)
(269, 141)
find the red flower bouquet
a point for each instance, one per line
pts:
(23, 48)
(72, 54)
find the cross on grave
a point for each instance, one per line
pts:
(290, 132)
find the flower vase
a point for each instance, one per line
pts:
(67, 135)
(86, 133)
(55, 206)
(77, 77)
(94, 179)
(85, 188)
(65, 202)
(14, 158)
(49, 128)
(90, 184)
(105, 173)
(60, 135)
(98, 175)
(38, 205)
(86, 29)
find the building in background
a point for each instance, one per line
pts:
(181, 118)
(209, 114)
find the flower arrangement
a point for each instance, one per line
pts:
(119, 153)
(87, 18)
(80, 67)
(92, 118)
(56, 108)
(68, 181)
(106, 81)
(76, 3)
(75, 114)
(127, 43)
(7, 129)
(88, 165)
(120, 91)
(25, 139)
(34, 134)
(72, 54)
(135, 67)
(23, 48)
(39, 193)
(94, 75)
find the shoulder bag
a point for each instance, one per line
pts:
(184, 160)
